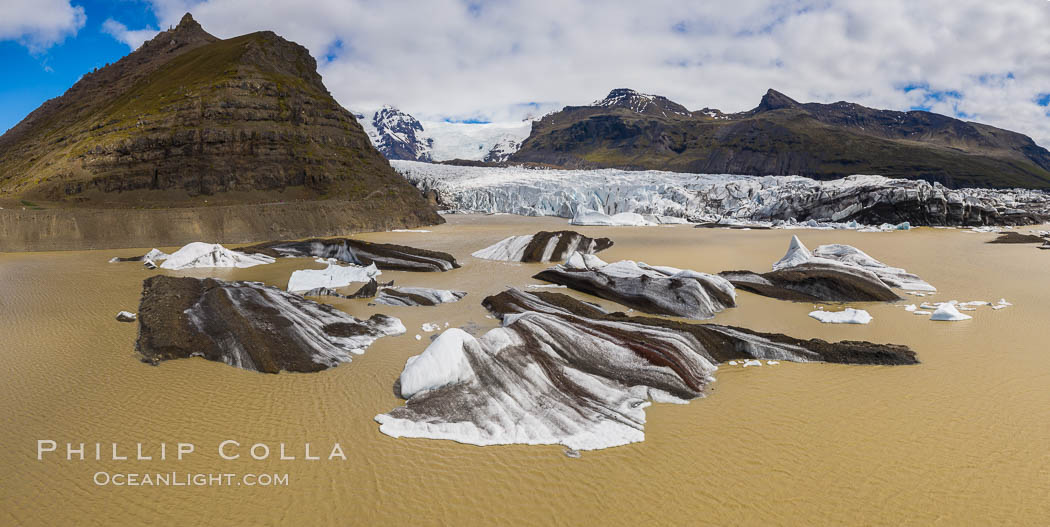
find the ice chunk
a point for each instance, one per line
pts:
(797, 254)
(443, 362)
(331, 277)
(947, 311)
(126, 316)
(847, 316)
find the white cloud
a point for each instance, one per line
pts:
(984, 60)
(133, 38)
(39, 24)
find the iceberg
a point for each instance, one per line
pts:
(560, 371)
(542, 247)
(417, 296)
(658, 290)
(331, 277)
(249, 325)
(847, 316)
(200, 254)
(947, 311)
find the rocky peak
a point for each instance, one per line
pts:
(641, 103)
(774, 100)
(393, 119)
(398, 135)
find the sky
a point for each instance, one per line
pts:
(501, 61)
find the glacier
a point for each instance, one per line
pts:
(781, 201)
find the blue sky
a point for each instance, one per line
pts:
(499, 61)
(31, 78)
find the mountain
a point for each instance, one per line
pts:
(400, 136)
(781, 136)
(191, 123)
(397, 135)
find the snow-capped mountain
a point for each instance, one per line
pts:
(398, 135)
(642, 103)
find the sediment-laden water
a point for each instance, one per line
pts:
(959, 439)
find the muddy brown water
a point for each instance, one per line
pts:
(961, 439)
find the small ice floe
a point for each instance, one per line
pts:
(847, 316)
(772, 362)
(1003, 302)
(732, 363)
(126, 316)
(920, 312)
(200, 254)
(910, 308)
(419, 337)
(331, 277)
(546, 286)
(571, 453)
(752, 362)
(948, 312)
(430, 327)
(409, 230)
(975, 303)
(586, 216)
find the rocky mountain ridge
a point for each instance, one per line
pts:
(781, 136)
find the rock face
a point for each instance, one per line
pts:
(385, 256)
(544, 246)
(781, 136)
(192, 122)
(250, 326)
(773, 200)
(563, 372)
(652, 289)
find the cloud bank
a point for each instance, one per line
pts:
(133, 38)
(976, 59)
(39, 24)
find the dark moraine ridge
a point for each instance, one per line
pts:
(385, 256)
(560, 371)
(249, 325)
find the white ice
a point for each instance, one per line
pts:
(510, 249)
(947, 311)
(443, 362)
(200, 254)
(331, 277)
(585, 216)
(847, 316)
